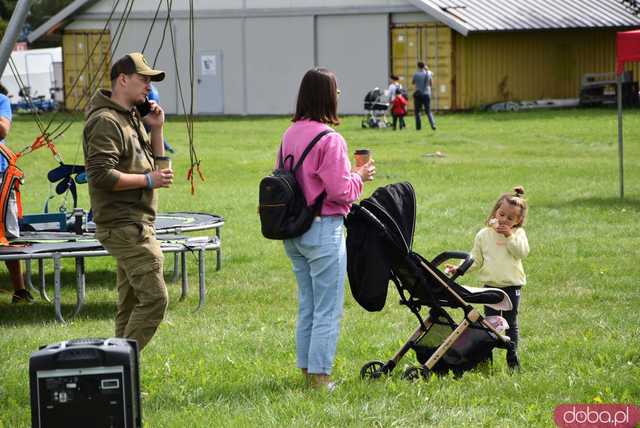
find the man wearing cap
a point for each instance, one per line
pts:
(119, 158)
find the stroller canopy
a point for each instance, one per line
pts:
(395, 206)
(379, 229)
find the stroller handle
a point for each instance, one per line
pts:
(458, 255)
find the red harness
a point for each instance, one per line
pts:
(12, 179)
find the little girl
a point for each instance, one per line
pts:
(498, 251)
(399, 109)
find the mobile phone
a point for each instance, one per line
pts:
(144, 108)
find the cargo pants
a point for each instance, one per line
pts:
(142, 293)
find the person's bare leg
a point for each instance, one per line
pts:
(15, 273)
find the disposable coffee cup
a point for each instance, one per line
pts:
(163, 162)
(362, 156)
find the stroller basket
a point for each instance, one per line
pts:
(474, 346)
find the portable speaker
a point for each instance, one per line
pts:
(86, 383)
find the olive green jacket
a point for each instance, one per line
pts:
(114, 141)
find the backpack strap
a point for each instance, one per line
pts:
(282, 160)
(309, 147)
(317, 205)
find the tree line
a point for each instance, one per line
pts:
(39, 12)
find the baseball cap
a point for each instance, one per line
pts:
(135, 63)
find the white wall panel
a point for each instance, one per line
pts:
(178, 5)
(224, 35)
(410, 18)
(356, 49)
(318, 4)
(279, 51)
(211, 34)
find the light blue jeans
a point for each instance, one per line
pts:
(319, 260)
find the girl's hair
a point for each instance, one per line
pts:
(516, 199)
(318, 97)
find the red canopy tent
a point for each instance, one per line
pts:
(627, 50)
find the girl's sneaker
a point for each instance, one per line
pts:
(513, 362)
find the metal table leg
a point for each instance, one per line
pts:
(185, 277)
(176, 269)
(80, 285)
(27, 276)
(57, 297)
(218, 250)
(201, 277)
(42, 281)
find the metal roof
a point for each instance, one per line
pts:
(468, 16)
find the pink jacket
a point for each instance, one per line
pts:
(326, 167)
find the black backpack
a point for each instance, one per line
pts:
(284, 213)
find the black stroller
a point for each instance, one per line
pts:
(376, 106)
(379, 241)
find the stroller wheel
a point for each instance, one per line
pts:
(372, 370)
(414, 373)
(364, 124)
(411, 374)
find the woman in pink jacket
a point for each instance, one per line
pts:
(319, 256)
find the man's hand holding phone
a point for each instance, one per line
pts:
(155, 118)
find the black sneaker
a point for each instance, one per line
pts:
(513, 362)
(22, 296)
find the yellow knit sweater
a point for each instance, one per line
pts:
(499, 259)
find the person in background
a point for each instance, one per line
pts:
(399, 109)
(422, 81)
(154, 95)
(319, 257)
(123, 182)
(394, 87)
(20, 293)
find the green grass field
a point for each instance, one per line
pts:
(233, 363)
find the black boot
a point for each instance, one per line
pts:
(513, 362)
